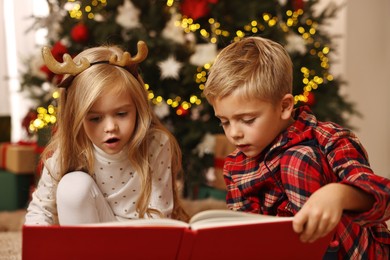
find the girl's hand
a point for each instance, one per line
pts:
(320, 214)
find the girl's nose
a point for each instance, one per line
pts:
(110, 126)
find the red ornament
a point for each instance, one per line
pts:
(49, 75)
(79, 33)
(58, 50)
(297, 4)
(181, 111)
(311, 100)
(196, 9)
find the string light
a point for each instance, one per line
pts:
(77, 12)
(215, 30)
(311, 81)
(45, 116)
(189, 26)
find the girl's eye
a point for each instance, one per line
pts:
(94, 119)
(122, 114)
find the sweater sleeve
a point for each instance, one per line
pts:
(162, 193)
(349, 161)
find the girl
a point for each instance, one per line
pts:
(110, 158)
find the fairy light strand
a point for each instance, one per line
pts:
(310, 78)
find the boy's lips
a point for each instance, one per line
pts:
(242, 146)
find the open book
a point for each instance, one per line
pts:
(211, 234)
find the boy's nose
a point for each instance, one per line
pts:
(235, 132)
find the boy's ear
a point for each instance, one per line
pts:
(287, 106)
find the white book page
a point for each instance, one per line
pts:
(225, 213)
(220, 218)
(157, 222)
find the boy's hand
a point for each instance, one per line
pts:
(320, 214)
(323, 210)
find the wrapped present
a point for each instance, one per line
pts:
(14, 190)
(18, 158)
(222, 148)
(3, 151)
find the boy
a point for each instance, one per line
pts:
(289, 164)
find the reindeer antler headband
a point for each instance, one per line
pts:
(68, 66)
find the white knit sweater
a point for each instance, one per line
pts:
(118, 182)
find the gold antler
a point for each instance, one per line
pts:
(66, 67)
(70, 67)
(126, 60)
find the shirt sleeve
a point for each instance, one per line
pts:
(162, 193)
(42, 209)
(349, 161)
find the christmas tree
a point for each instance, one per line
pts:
(183, 38)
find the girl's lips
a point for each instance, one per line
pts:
(112, 142)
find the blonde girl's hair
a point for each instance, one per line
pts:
(75, 150)
(255, 66)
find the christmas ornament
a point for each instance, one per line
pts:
(58, 50)
(210, 175)
(206, 146)
(79, 33)
(161, 110)
(196, 9)
(172, 31)
(298, 4)
(310, 99)
(170, 68)
(295, 44)
(204, 53)
(128, 15)
(181, 111)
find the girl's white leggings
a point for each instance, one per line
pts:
(80, 201)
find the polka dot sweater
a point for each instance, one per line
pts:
(118, 182)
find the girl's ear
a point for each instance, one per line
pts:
(287, 106)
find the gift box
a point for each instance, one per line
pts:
(14, 190)
(18, 158)
(222, 149)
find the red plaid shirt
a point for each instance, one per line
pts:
(327, 153)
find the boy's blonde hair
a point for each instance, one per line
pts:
(255, 66)
(71, 143)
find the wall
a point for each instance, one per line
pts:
(4, 93)
(367, 72)
(16, 44)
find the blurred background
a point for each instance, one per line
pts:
(340, 50)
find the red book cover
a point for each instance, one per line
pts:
(212, 234)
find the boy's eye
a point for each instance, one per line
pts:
(248, 121)
(224, 123)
